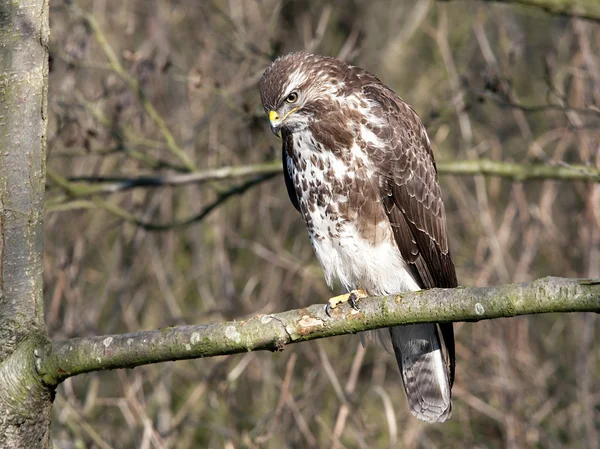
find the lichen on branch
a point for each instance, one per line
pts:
(273, 332)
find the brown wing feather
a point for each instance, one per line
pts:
(412, 196)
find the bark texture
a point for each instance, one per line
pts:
(25, 403)
(273, 332)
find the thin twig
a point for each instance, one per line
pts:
(582, 9)
(130, 218)
(134, 85)
(113, 184)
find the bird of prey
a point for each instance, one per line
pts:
(359, 167)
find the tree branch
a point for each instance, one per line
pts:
(486, 167)
(520, 172)
(582, 9)
(113, 184)
(123, 214)
(63, 359)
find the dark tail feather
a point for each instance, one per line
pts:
(427, 367)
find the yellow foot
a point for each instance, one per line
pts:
(351, 298)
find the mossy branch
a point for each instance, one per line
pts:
(63, 359)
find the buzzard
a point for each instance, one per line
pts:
(359, 167)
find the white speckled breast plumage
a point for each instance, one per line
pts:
(374, 265)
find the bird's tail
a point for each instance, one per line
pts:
(421, 357)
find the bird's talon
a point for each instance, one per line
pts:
(350, 298)
(327, 309)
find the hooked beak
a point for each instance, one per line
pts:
(277, 121)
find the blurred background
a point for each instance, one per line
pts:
(155, 88)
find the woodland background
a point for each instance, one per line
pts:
(149, 88)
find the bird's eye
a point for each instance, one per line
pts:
(292, 98)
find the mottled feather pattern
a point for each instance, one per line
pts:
(360, 168)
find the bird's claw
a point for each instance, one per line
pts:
(328, 308)
(351, 298)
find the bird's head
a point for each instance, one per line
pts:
(297, 86)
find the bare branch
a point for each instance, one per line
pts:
(534, 109)
(113, 184)
(148, 226)
(582, 9)
(273, 332)
(520, 172)
(486, 167)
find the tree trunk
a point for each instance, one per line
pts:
(25, 403)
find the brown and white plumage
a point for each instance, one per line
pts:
(359, 167)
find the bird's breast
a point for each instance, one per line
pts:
(346, 222)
